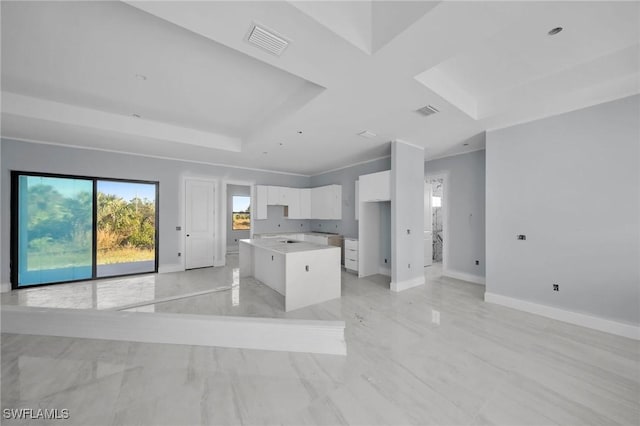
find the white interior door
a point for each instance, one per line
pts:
(200, 233)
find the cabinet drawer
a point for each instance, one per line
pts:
(351, 264)
(351, 245)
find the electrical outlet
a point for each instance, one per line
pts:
(179, 254)
(278, 225)
(385, 261)
(521, 237)
(477, 262)
(556, 287)
(178, 228)
(409, 266)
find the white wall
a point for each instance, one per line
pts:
(24, 156)
(465, 196)
(571, 184)
(407, 216)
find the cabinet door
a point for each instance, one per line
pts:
(335, 201)
(305, 203)
(273, 195)
(292, 198)
(317, 204)
(260, 202)
(376, 186)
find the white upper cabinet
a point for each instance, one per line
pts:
(375, 186)
(260, 202)
(273, 195)
(291, 198)
(305, 203)
(324, 202)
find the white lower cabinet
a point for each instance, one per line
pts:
(351, 254)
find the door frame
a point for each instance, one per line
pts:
(445, 214)
(224, 207)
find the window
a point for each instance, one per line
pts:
(241, 216)
(71, 228)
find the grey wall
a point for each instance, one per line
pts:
(33, 157)
(277, 222)
(465, 195)
(407, 214)
(348, 226)
(571, 183)
(234, 236)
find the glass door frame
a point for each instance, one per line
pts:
(15, 222)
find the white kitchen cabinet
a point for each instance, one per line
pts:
(273, 195)
(351, 254)
(326, 202)
(305, 203)
(260, 202)
(375, 187)
(290, 197)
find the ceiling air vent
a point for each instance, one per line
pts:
(267, 39)
(427, 110)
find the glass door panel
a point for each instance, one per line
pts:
(126, 228)
(55, 233)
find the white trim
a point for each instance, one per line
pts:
(324, 337)
(5, 287)
(453, 155)
(597, 323)
(475, 279)
(407, 284)
(174, 267)
(350, 165)
(159, 157)
(383, 270)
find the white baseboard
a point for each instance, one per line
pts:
(475, 279)
(5, 287)
(407, 284)
(384, 271)
(176, 267)
(323, 337)
(589, 321)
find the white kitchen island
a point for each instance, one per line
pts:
(304, 273)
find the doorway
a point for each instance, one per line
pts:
(238, 215)
(436, 218)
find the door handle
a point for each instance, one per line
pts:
(187, 235)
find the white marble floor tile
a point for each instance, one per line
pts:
(432, 355)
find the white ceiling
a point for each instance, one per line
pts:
(69, 75)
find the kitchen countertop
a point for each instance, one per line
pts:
(279, 246)
(326, 234)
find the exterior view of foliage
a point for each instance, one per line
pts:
(59, 228)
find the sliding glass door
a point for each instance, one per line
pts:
(126, 225)
(67, 228)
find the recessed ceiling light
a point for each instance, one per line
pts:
(265, 152)
(136, 115)
(427, 110)
(367, 134)
(141, 77)
(555, 31)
